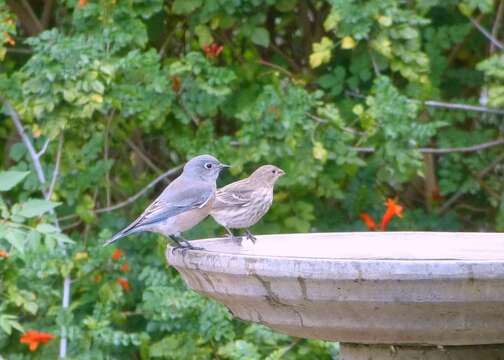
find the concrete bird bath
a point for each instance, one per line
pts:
(389, 295)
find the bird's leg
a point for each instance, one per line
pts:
(250, 236)
(176, 240)
(232, 236)
(187, 243)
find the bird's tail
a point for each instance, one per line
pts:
(131, 229)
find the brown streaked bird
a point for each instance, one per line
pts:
(243, 203)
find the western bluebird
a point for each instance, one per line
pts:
(185, 202)
(243, 203)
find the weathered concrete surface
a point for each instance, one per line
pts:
(368, 288)
(384, 352)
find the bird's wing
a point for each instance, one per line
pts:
(173, 201)
(239, 193)
(171, 204)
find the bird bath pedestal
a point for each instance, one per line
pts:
(389, 295)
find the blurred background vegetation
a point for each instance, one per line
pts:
(103, 100)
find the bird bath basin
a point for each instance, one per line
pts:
(388, 295)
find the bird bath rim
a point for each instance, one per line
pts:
(369, 288)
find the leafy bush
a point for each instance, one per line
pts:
(357, 101)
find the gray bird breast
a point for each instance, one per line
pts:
(239, 217)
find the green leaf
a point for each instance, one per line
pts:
(47, 229)
(35, 207)
(319, 152)
(204, 35)
(7, 322)
(9, 179)
(260, 36)
(321, 52)
(16, 237)
(185, 6)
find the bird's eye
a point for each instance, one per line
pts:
(208, 165)
(273, 171)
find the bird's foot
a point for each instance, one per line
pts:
(192, 247)
(249, 236)
(183, 245)
(184, 248)
(236, 239)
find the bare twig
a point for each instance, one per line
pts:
(489, 36)
(496, 25)
(24, 12)
(443, 105)
(56, 166)
(141, 192)
(324, 122)
(46, 13)
(44, 148)
(189, 113)
(316, 118)
(27, 142)
(455, 197)
(289, 348)
(106, 156)
(276, 67)
(376, 68)
(144, 157)
(19, 50)
(133, 198)
(65, 303)
(446, 105)
(72, 225)
(280, 52)
(430, 179)
(463, 149)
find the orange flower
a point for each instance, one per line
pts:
(117, 254)
(35, 338)
(10, 40)
(213, 50)
(4, 254)
(97, 278)
(124, 283)
(368, 220)
(124, 267)
(176, 83)
(393, 209)
(82, 3)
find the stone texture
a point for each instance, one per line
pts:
(384, 352)
(368, 288)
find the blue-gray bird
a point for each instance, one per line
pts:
(184, 203)
(243, 203)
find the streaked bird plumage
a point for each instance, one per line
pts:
(184, 203)
(243, 203)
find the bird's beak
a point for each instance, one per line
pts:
(281, 172)
(224, 166)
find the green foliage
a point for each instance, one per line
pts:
(331, 91)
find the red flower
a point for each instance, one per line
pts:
(4, 254)
(35, 338)
(117, 254)
(213, 50)
(9, 40)
(124, 267)
(124, 283)
(393, 209)
(368, 220)
(82, 3)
